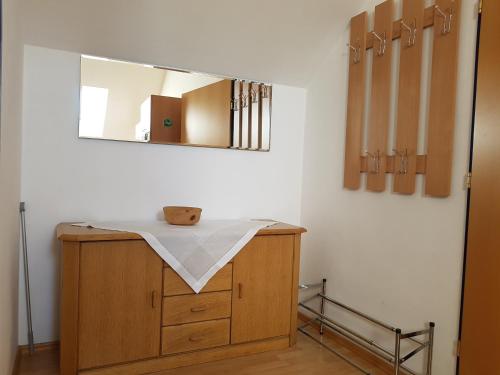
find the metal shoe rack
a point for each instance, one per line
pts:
(392, 356)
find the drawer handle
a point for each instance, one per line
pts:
(198, 309)
(240, 290)
(196, 338)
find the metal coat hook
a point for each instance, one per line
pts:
(236, 100)
(373, 160)
(253, 96)
(244, 101)
(382, 39)
(234, 104)
(447, 17)
(412, 32)
(264, 92)
(357, 52)
(403, 160)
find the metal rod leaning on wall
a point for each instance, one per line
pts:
(396, 358)
(31, 344)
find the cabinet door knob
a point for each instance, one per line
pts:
(240, 290)
(198, 309)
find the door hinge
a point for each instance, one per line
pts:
(468, 180)
(457, 348)
(480, 7)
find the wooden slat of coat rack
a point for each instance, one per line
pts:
(255, 117)
(259, 131)
(245, 104)
(266, 110)
(355, 102)
(236, 114)
(442, 102)
(380, 97)
(410, 63)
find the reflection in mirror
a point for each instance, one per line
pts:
(143, 103)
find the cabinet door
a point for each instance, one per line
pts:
(262, 289)
(119, 303)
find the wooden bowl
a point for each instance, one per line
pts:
(182, 215)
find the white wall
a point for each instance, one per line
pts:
(69, 179)
(396, 257)
(10, 156)
(206, 36)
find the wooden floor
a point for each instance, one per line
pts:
(307, 358)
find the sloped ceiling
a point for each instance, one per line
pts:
(277, 41)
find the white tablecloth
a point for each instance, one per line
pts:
(195, 252)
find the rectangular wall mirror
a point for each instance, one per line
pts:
(133, 102)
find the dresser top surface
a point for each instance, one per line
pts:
(68, 232)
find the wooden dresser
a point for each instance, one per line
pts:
(124, 311)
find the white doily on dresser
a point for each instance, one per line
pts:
(195, 252)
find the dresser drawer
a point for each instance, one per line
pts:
(173, 284)
(194, 336)
(196, 307)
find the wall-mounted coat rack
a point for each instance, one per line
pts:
(251, 120)
(402, 159)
